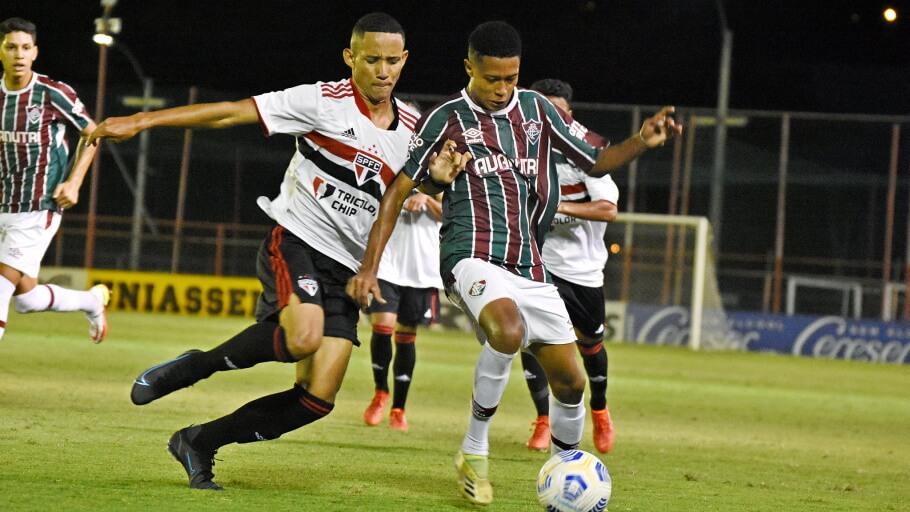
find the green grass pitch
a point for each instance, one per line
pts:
(696, 431)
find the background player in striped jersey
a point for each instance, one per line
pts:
(410, 283)
(575, 254)
(34, 185)
(490, 149)
(351, 141)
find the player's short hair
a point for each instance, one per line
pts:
(18, 25)
(494, 39)
(553, 87)
(377, 22)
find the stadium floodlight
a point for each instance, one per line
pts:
(105, 29)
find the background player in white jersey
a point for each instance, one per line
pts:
(489, 149)
(410, 283)
(351, 141)
(34, 185)
(575, 254)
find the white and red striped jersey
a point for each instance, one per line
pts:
(33, 149)
(332, 187)
(411, 256)
(574, 248)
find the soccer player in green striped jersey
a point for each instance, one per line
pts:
(34, 185)
(489, 150)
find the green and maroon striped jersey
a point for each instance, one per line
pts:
(501, 206)
(33, 149)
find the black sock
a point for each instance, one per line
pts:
(262, 419)
(259, 343)
(381, 356)
(595, 360)
(537, 383)
(405, 359)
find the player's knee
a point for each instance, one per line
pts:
(302, 344)
(505, 337)
(568, 388)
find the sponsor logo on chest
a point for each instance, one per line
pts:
(500, 162)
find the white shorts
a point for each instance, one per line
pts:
(477, 283)
(25, 237)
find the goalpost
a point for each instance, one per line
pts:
(662, 271)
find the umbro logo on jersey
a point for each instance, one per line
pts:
(308, 285)
(349, 133)
(477, 288)
(473, 136)
(33, 112)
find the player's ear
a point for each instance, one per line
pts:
(469, 68)
(348, 56)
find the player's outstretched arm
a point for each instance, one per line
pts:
(655, 131)
(364, 284)
(202, 115)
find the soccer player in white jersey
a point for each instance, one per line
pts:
(352, 138)
(489, 149)
(575, 254)
(410, 283)
(34, 185)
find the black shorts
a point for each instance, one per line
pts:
(585, 306)
(414, 306)
(286, 264)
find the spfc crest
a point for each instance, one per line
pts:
(532, 130)
(308, 285)
(366, 167)
(33, 112)
(477, 288)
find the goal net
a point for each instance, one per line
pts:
(661, 283)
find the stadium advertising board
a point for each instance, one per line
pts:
(831, 337)
(181, 294)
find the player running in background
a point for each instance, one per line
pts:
(410, 283)
(575, 254)
(352, 138)
(34, 185)
(489, 149)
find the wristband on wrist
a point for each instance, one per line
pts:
(642, 138)
(438, 185)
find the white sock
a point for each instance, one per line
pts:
(6, 292)
(50, 297)
(490, 378)
(567, 423)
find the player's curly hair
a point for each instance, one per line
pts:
(377, 22)
(553, 87)
(494, 39)
(18, 25)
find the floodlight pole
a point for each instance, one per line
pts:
(720, 128)
(139, 195)
(96, 162)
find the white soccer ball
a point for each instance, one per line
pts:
(574, 481)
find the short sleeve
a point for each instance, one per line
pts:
(293, 111)
(64, 100)
(603, 188)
